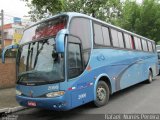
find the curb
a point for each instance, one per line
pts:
(4, 110)
(11, 110)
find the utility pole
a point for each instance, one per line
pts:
(2, 30)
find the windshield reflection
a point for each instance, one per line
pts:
(38, 62)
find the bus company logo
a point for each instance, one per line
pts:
(31, 93)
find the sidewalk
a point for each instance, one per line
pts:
(7, 98)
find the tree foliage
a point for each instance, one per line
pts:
(102, 9)
(143, 19)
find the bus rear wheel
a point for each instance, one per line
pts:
(150, 77)
(102, 94)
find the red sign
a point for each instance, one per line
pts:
(48, 31)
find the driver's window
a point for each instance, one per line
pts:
(74, 59)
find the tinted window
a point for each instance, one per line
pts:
(74, 60)
(127, 39)
(120, 38)
(144, 45)
(138, 45)
(150, 46)
(98, 34)
(106, 36)
(80, 27)
(154, 46)
(114, 38)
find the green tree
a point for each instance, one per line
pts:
(143, 19)
(103, 9)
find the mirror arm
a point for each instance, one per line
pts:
(7, 48)
(60, 40)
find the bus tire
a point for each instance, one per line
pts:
(150, 77)
(102, 94)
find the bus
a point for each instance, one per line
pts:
(72, 59)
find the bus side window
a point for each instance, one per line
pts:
(127, 39)
(144, 45)
(115, 40)
(150, 46)
(154, 47)
(75, 65)
(98, 38)
(132, 42)
(106, 36)
(138, 45)
(120, 38)
(80, 27)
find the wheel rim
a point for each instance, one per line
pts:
(101, 93)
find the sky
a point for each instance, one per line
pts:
(15, 8)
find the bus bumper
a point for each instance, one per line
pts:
(57, 103)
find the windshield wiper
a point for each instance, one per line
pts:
(28, 72)
(33, 76)
(38, 52)
(28, 57)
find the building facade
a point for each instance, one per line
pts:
(12, 33)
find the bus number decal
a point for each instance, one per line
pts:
(81, 96)
(53, 87)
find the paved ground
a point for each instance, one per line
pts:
(141, 98)
(7, 98)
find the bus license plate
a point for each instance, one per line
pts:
(33, 104)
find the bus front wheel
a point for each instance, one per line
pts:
(102, 94)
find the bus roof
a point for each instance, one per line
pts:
(75, 14)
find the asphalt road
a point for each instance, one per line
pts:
(142, 98)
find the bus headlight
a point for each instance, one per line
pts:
(18, 92)
(55, 94)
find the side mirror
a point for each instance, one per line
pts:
(60, 40)
(7, 48)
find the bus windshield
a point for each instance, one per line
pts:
(44, 29)
(37, 60)
(39, 63)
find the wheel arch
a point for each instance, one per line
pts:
(150, 69)
(106, 79)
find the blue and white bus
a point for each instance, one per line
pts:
(72, 59)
